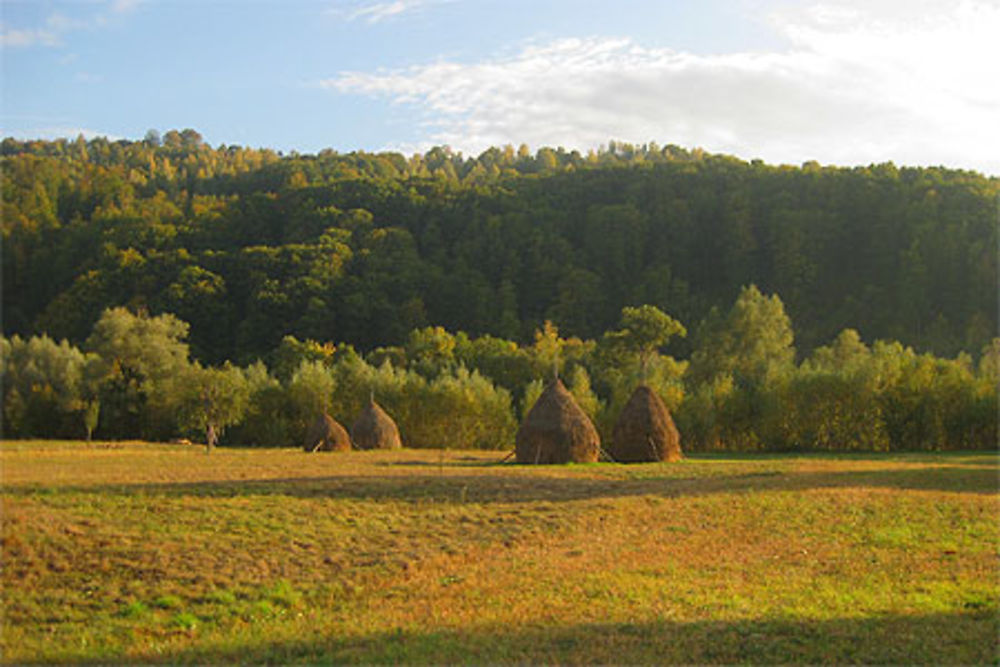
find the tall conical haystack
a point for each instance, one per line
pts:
(374, 429)
(645, 431)
(326, 435)
(557, 430)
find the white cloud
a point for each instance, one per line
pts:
(376, 12)
(19, 38)
(58, 24)
(860, 82)
(124, 6)
(379, 11)
(88, 78)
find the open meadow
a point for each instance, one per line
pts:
(140, 552)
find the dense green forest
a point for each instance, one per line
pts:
(154, 288)
(248, 246)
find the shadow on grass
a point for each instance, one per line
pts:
(456, 462)
(453, 484)
(959, 457)
(954, 638)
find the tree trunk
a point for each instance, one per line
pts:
(210, 438)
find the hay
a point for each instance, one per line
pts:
(557, 430)
(326, 435)
(645, 430)
(374, 429)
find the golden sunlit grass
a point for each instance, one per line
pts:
(147, 553)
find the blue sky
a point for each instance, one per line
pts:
(838, 81)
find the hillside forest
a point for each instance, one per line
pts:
(152, 288)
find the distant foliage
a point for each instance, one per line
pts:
(138, 381)
(45, 387)
(249, 246)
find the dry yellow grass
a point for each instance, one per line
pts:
(143, 552)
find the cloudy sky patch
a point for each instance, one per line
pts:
(854, 85)
(838, 81)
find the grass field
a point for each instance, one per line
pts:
(137, 552)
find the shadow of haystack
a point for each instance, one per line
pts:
(557, 430)
(326, 435)
(645, 430)
(374, 429)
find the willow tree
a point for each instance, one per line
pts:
(144, 361)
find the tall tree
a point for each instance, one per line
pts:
(752, 341)
(143, 362)
(644, 331)
(213, 399)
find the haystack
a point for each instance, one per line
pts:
(374, 429)
(557, 430)
(326, 435)
(645, 431)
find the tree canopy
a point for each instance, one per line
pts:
(451, 390)
(249, 245)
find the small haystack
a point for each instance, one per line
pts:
(557, 430)
(645, 430)
(326, 435)
(374, 429)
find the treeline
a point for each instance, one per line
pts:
(741, 389)
(249, 246)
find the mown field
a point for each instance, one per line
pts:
(139, 552)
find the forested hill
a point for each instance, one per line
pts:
(249, 245)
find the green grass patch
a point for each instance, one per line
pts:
(184, 621)
(135, 609)
(168, 602)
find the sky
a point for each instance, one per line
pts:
(847, 82)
